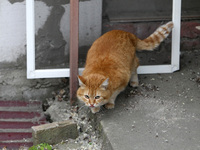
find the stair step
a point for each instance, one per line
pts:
(16, 120)
(41, 119)
(17, 125)
(16, 130)
(18, 103)
(29, 109)
(15, 145)
(13, 115)
(15, 135)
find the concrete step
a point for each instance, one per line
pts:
(15, 145)
(17, 115)
(17, 124)
(5, 103)
(16, 120)
(163, 118)
(14, 135)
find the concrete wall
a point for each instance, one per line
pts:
(190, 39)
(147, 10)
(52, 43)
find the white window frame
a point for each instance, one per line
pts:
(33, 73)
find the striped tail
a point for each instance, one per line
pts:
(156, 38)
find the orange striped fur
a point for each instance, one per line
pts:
(112, 63)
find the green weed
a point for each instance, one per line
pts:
(42, 146)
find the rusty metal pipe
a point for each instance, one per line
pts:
(74, 38)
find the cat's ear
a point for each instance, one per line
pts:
(105, 84)
(81, 81)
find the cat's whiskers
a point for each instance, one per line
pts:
(82, 107)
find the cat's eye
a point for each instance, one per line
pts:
(97, 97)
(87, 97)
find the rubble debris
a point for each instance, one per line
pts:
(143, 89)
(60, 109)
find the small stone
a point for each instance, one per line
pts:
(4, 148)
(53, 93)
(38, 86)
(198, 27)
(164, 131)
(55, 132)
(131, 92)
(59, 98)
(198, 80)
(156, 134)
(62, 92)
(85, 136)
(83, 118)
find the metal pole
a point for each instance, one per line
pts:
(74, 26)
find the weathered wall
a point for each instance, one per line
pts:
(147, 10)
(52, 43)
(190, 39)
(55, 44)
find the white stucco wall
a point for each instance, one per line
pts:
(13, 28)
(13, 25)
(90, 20)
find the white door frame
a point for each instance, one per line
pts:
(33, 73)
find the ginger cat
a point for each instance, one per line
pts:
(111, 63)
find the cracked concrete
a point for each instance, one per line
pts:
(15, 86)
(161, 114)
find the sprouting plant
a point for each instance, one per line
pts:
(42, 146)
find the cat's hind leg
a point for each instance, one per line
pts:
(134, 82)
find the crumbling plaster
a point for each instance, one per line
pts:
(13, 28)
(52, 43)
(51, 28)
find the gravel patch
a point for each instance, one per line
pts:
(58, 108)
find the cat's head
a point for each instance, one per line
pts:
(94, 90)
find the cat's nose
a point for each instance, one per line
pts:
(91, 105)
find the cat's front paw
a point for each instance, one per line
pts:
(95, 109)
(109, 105)
(134, 84)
